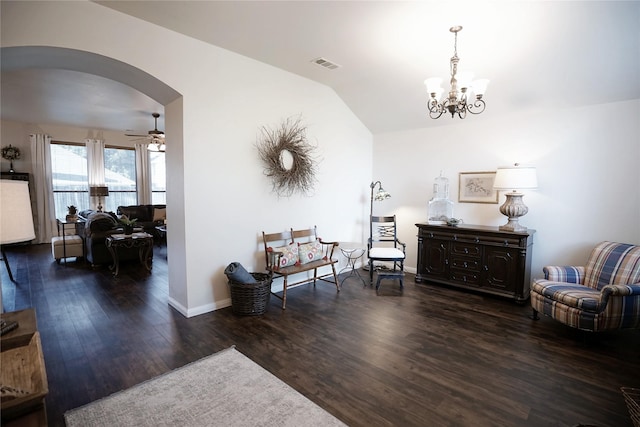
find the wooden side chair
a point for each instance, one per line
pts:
(384, 246)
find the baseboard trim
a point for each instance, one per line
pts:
(196, 311)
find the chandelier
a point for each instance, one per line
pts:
(456, 102)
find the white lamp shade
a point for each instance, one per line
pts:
(16, 218)
(480, 86)
(515, 178)
(434, 85)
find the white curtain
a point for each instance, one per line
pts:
(143, 176)
(95, 166)
(95, 161)
(45, 220)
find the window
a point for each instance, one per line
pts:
(120, 177)
(158, 169)
(70, 177)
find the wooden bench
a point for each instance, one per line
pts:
(316, 253)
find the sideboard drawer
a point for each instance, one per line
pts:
(464, 277)
(465, 263)
(461, 248)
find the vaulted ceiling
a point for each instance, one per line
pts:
(537, 54)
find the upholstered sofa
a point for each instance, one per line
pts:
(148, 216)
(603, 294)
(98, 226)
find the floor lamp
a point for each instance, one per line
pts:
(379, 196)
(16, 218)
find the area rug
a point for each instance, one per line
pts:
(224, 389)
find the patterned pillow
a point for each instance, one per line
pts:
(159, 214)
(289, 255)
(311, 251)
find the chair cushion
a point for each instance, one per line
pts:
(572, 295)
(386, 253)
(159, 214)
(613, 264)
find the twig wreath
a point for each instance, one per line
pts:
(288, 157)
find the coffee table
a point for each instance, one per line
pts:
(142, 241)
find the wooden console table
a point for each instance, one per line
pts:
(476, 257)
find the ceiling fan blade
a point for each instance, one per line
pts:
(154, 134)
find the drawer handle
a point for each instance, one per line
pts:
(466, 250)
(506, 243)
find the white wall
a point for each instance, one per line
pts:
(587, 161)
(219, 200)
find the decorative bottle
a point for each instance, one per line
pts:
(440, 208)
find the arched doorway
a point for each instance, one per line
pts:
(45, 57)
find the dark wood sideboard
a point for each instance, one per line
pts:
(476, 257)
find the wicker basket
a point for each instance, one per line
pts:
(251, 299)
(23, 372)
(632, 398)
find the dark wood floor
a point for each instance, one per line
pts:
(430, 356)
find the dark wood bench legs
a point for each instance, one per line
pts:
(315, 279)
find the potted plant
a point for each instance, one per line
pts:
(73, 213)
(127, 224)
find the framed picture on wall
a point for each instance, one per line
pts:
(477, 187)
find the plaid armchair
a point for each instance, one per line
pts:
(603, 294)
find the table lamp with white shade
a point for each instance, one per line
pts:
(514, 178)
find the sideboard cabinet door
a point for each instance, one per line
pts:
(433, 254)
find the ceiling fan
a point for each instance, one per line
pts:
(155, 136)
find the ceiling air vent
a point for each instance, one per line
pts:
(325, 63)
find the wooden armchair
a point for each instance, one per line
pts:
(383, 245)
(299, 251)
(603, 294)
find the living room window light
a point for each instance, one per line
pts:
(120, 177)
(70, 177)
(158, 177)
